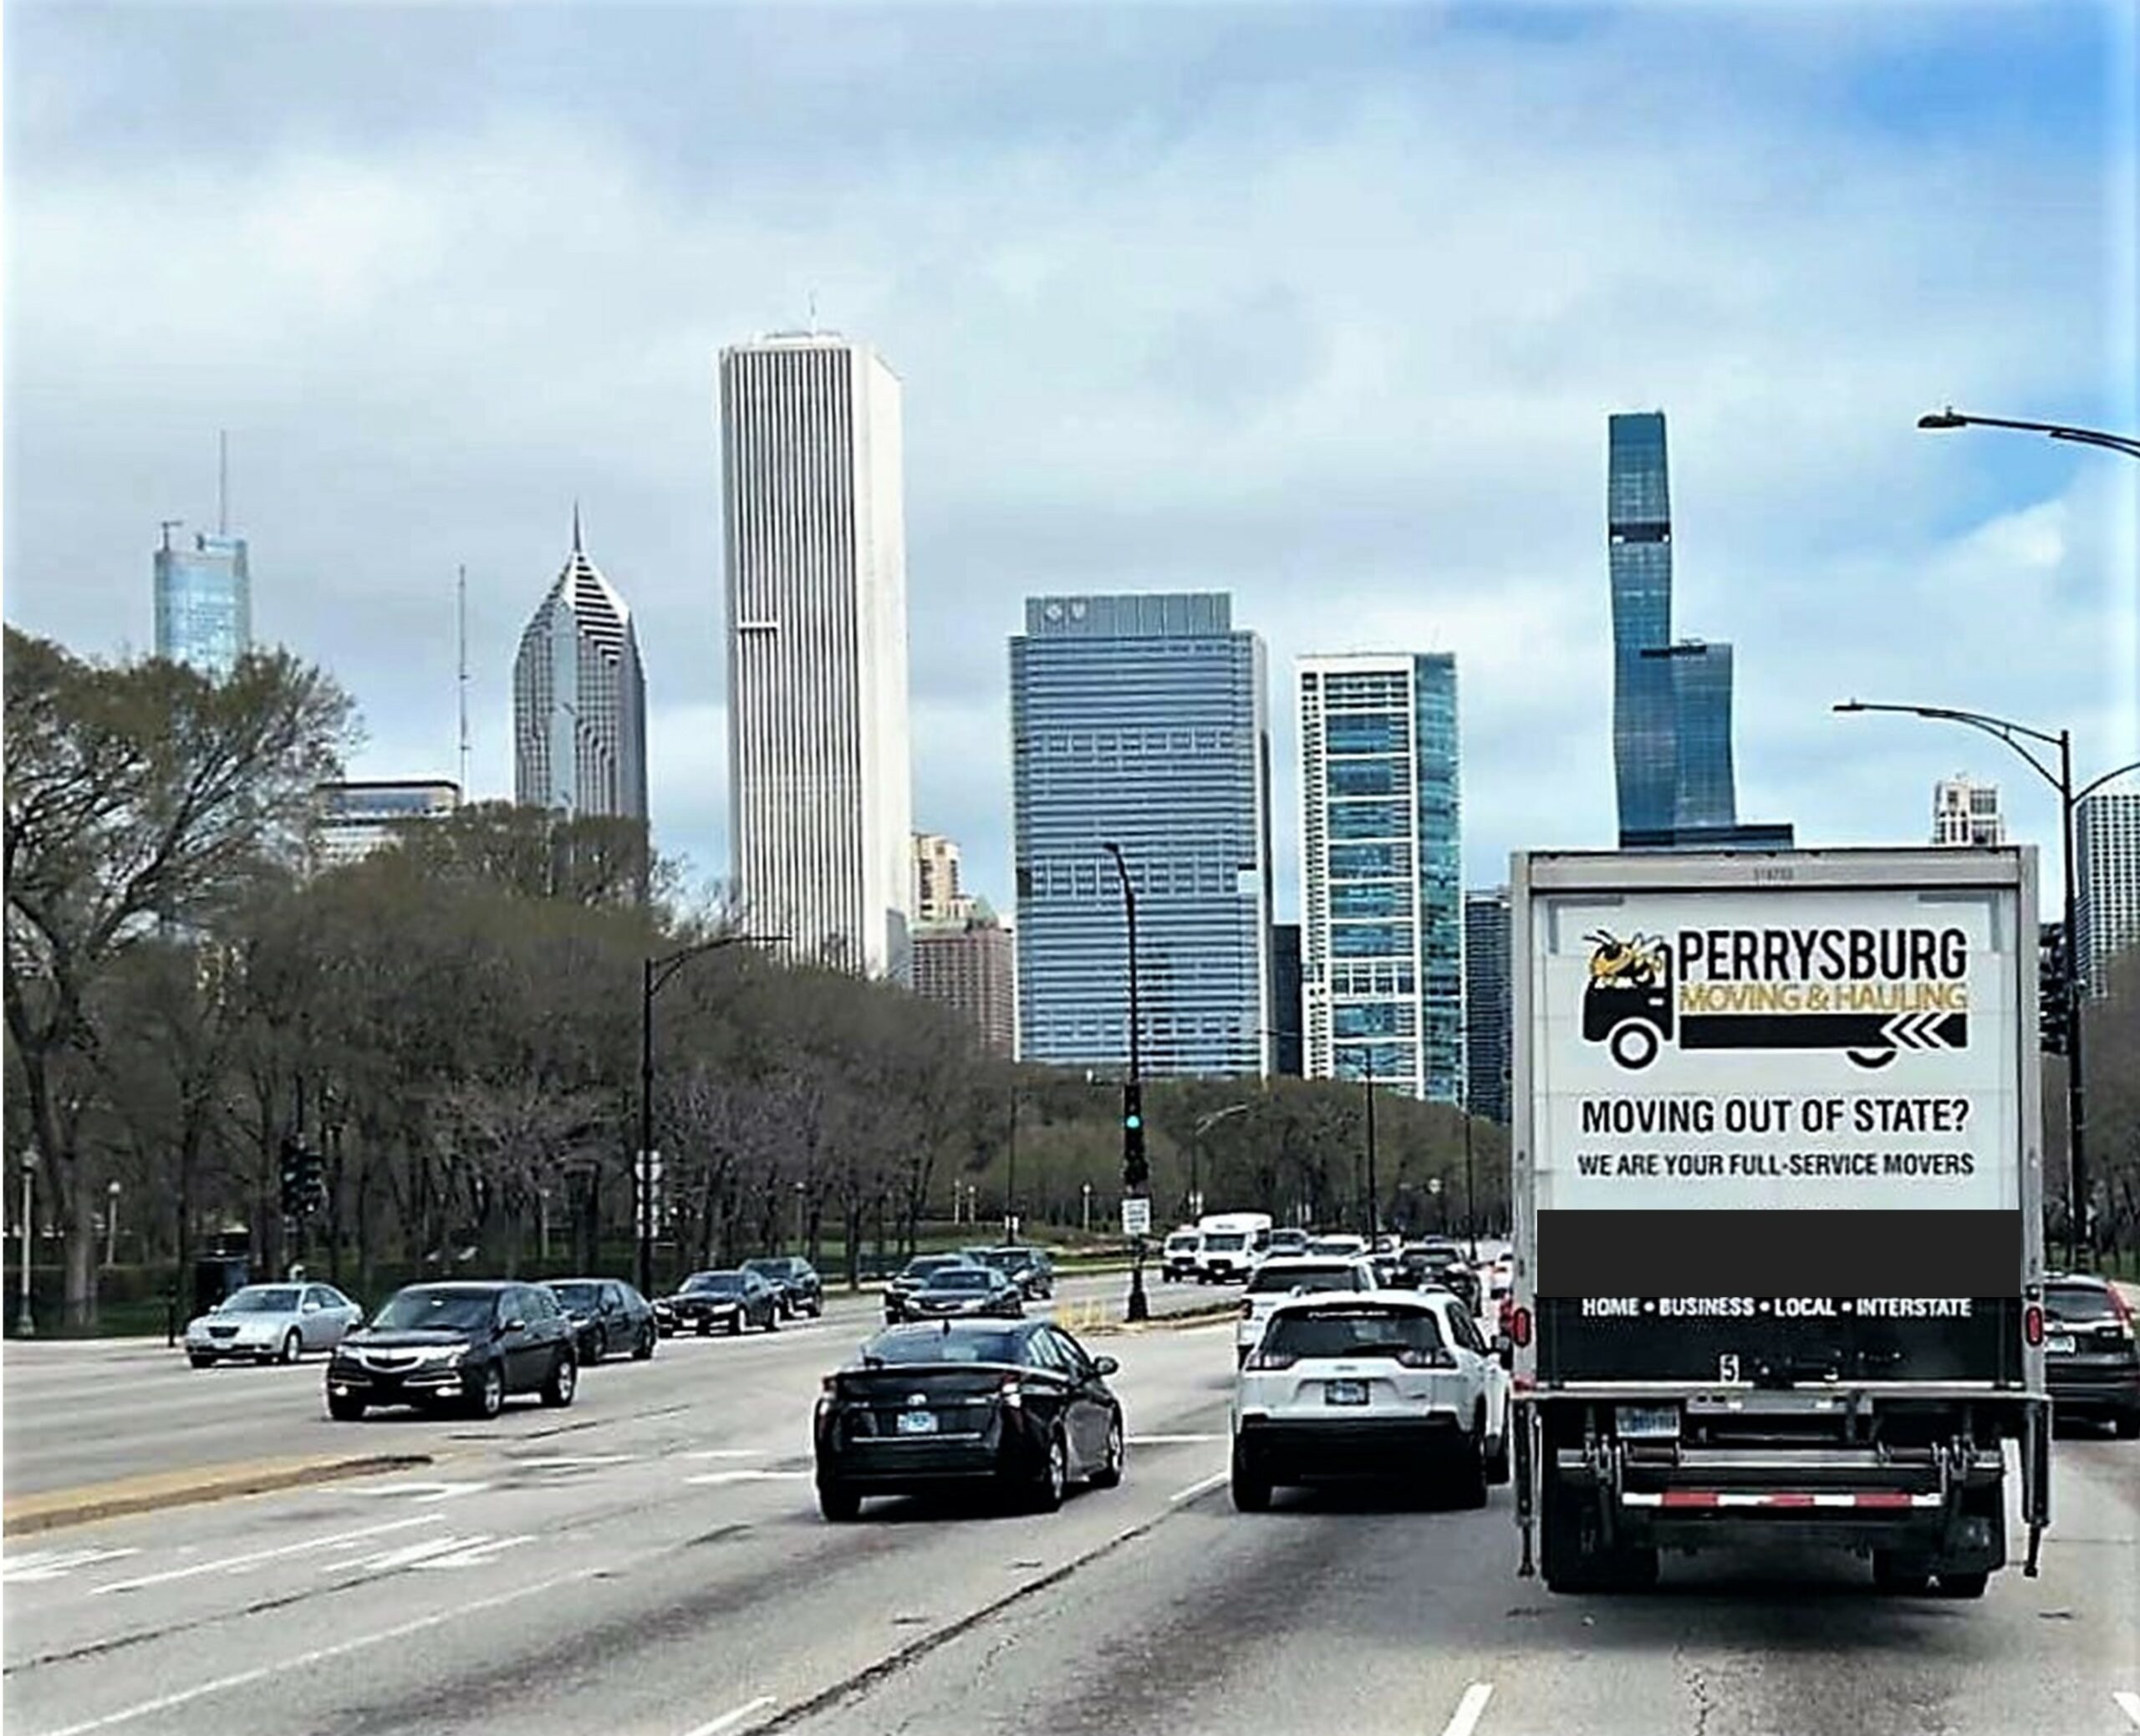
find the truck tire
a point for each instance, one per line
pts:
(2126, 1425)
(1901, 1574)
(1963, 1585)
(1569, 1559)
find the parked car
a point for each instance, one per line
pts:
(1180, 1259)
(729, 1300)
(795, 1283)
(1018, 1406)
(912, 1276)
(472, 1343)
(1392, 1384)
(608, 1313)
(1276, 1279)
(2090, 1362)
(1027, 1267)
(964, 1290)
(271, 1323)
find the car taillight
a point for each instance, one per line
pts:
(1267, 1361)
(1519, 1326)
(1426, 1359)
(829, 1386)
(2032, 1325)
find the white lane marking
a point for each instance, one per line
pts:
(707, 1480)
(45, 1563)
(2129, 1704)
(425, 1493)
(240, 1563)
(1468, 1710)
(729, 1720)
(1202, 1486)
(728, 1453)
(1174, 1440)
(584, 1461)
(478, 1549)
(306, 1660)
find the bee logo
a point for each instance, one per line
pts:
(1626, 1004)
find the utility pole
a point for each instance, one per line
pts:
(1374, 1212)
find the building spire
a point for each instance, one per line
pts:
(575, 527)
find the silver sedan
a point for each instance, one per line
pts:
(271, 1323)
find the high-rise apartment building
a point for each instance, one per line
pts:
(1142, 721)
(579, 700)
(356, 818)
(1288, 1059)
(203, 601)
(1671, 698)
(821, 785)
(936, 895)
(1382, 953)
(971, 965)
(1964, 812)
(2107, 874)
(1488, 1007)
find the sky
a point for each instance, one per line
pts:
(1325, 308)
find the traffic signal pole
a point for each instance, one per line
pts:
(1136, 1171)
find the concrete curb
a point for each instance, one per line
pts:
(53, 1509)
(1205, 1317)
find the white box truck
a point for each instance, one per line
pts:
(1777, 1175)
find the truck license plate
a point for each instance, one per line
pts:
(2059, 1344)
(1647, 1423)
(917, 1422)
(1344, 1391)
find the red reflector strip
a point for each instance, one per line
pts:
(1885, 1500)
(1691, 1498)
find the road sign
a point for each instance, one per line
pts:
(1136, 1216)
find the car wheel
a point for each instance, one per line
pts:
(563, 1382)
(1497, 1461)
(1963, 1585)
(200, 1361)
(292, 1347)
(488, 1398)
(773, 1320)
(2126, 1425)
(1469, 1486)
(1251, 1488)
(644, 1348)
(1054, 1477)
(735, 1324)
(600, 1350)
(839, 1504)
(1109, 1474)
(345, 1410)
(706, 1328)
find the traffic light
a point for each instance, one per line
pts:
(292, 1176)
(1136, 1173)
(2054, 990)
(312, 1181)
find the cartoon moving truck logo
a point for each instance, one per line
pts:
(1868, 993)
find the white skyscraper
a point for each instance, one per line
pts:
(579, 700)
(819, 776)
(1964, 812)
(2107, 869)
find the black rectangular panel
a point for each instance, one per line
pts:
(1779, 1254)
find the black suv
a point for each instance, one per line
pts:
(794, 1280)
(2090, 1360)
(609, 1316)
(1028, 1267)
(471, 1344)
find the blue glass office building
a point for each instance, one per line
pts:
(1381, 965)
(1142, 721)
(204, 603)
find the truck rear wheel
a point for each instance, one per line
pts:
(1571, 1557)
(1963, 1585)
(1904, 1575)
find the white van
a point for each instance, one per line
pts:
(1233, 1242)
(1178, 1260)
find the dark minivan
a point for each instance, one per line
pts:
(473, 1344)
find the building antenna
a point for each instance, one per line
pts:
(813, 313)
(223, 482)
(167, 525)
(461, 614)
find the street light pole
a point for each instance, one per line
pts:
(1010, 1181)
(1471, 1197)
(1374, 1209)
(25, 1323)
(653, 974)
(1135, 1175)
(111, 1226)
(1950, 418)
(1195, 1143)
(2016, 736)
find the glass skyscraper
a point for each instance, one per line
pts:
(1142, 721)
(204, 603)
(579, 700)
(1487, 1003)
(1381, 966)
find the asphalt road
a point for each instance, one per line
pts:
(650, 1563)
(80, 1412)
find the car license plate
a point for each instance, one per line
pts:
(917, 1422)
(2059, 1344)
(1344, 1391)
(1648, 1423)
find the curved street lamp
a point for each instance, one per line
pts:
(1941, 419)
(1135, 1176)
(1204, 1125)
(2018, 737)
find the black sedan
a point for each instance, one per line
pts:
(473, 1344)
(2090, 1362)
(1019, 1407)
(959, 1290)
(608, 1315)
(912, 1276)
(731, 1301)
(1438, 1264)
(1028, 1267)
(795, 1281)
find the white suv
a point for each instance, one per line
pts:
(1397, 1383)
(1276, 1279)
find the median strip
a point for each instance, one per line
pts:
(53, 1509)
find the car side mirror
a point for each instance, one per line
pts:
(308, 1308)
(515, 1325)
(1105, 1366)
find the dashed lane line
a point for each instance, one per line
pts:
(1468, 1710)
(1203, 1486)
(2129, 1704)
(714, 1479)
(728, 1720)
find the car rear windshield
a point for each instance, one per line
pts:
(956, 1345)
(1279, 1281)
(262, 1301)
(577, 1296)
(1226, 1241)
(922, 1265)
(1337, 1245)
(449, 1311)
(959, 1277)
(766, 1268)
(715, 1284)
(2077, 1301)
(1363, 1332)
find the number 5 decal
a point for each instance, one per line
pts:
(1727, 1368)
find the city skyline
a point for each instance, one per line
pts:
(1152, 372)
